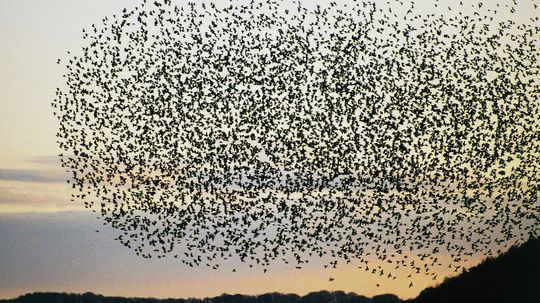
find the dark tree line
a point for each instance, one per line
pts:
(314, 297)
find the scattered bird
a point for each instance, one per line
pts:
(245, 131)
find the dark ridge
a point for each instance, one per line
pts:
(511, 277)
(314, 297)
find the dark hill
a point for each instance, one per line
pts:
(511, 277)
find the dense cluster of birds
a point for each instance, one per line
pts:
(275, 130)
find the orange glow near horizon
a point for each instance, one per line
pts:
(301, 282)
(130, 276)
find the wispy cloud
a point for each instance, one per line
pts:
(32, 175)
(46, 160)
(18, 197)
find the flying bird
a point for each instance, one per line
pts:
(241, 132)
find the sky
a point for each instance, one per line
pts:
(50, 244)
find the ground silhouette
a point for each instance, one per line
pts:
(314, 297)
(511, 277)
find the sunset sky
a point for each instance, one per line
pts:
(50, 244)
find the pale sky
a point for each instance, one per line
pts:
(49, 244)
(33, 35)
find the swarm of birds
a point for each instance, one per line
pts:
(276, 130)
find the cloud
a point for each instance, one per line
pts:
(52, 160)
(35, 196)
(31, 175)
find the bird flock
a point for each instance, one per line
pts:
(285, 131)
